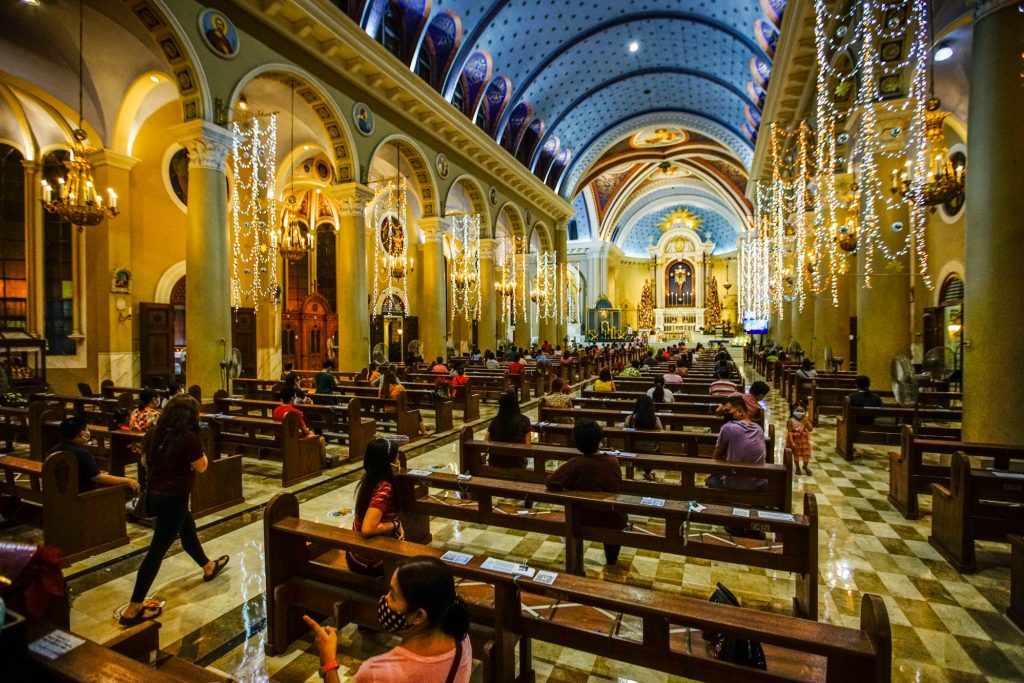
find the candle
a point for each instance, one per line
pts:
(113, 197)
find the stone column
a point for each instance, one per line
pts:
(207, 254)
(802, 322)
(784, 320)
(35, 303)
(434, 311)
(109, 248)
(832, 323)
(352, 305)
(521, 337)
(487, 323)
(993, 301)
(562, 261)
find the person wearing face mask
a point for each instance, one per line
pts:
(377, 503)
(798, 429)
(740, 441)
(424, 609)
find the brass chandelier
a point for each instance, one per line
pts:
(942, 180)
(295, 237)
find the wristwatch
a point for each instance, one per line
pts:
(328, 667)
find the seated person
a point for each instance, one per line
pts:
(672, 377)
(490, 361)
(287, 371)
(559, 398)
(458, 383)
(722, 386)
(146, 415)
(740, 441)
(325, 378)
(604, 382)
(439, 367)
(378, 504)
(592, 471)
(287, 397)
(754, 401)
(864, 398)
(632, 371)
(515, 367)
(476, 355)
(807, 371)
(390, 387)
(292, 382)
(509, 426)
(74, 435)
(373, 374)
(659, 393)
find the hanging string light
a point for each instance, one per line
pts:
(254, 245)
(390, 244)
(544, 292)
(465, 265)
(295, 237)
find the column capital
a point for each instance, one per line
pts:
(432, 227)
(207, 144)
(487, 247)
(351, 199)
(108, 157)
(32, 165)
(983, 8)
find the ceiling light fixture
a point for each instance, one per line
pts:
(634, 46)
(155, 79)
(943, 53)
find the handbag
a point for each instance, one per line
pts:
(728, 648)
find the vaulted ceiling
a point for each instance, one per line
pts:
(563, 84)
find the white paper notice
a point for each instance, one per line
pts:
(655, 502)
(740, 512)
(775, 516)
(506, 567)
(55, 644)
(546, 577)
(419, 473)
(456, 558)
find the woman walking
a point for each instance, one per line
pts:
(173, 454)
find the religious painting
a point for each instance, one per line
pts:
(177, 174)
(891, 51)
(218, 33)
(667, 170)
(658, 137)
(953, 207)
(441, 164)
(889, 86)
(121, 280)
(492, 196)
(363, 118)
(679, 285)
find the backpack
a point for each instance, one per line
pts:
(728, 648)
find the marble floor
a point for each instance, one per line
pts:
(945, 626)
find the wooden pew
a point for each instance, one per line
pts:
(384, 411)
(300, 458)
(683, 421)
(849, 429)
(1016, 609)
(345, 423)
(305, 571)
(109, 390)
(691, 472)
(977, 505)
(910, 475)
(420, 397)
(81, 524)
(828, 400)
(794, 547)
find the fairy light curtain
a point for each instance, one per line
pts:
(465, 265)
(254, 245)
(391, 243)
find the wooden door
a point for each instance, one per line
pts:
(411, 332)
(156, 342)
(376, 334)
(933, 332)
(243, 338)
(853, 343)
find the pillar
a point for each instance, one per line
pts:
(802, 322)
(562, 261)
(521, 336)
(993, 302)
(109, 247)
(434, 310)
(207, 254)
(785, 325)
(832, 323)
(487, 323)
(352, 305)
(36, 302)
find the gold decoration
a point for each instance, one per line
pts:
(681, 218)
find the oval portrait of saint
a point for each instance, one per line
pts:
(218, 33)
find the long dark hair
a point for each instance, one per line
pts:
(659, 389)
(643, 413)
(376, 468)
(505, 425)
(179, 418)
(427, 583)
(386, 382)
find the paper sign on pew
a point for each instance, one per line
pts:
(418, 473)
(55, 644)
(506, 567)
(456, 558)
(775, 516)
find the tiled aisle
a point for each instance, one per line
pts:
(945, 626)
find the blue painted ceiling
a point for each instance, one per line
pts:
(647, 231)
(570, 59)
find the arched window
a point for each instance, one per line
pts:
(391, 30)
(459, 97)
(13, 280)
(326, 263)
(425, 65)
(58, 268)
(952, 291)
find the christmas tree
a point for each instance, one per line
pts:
(645, 312)
(713, 311)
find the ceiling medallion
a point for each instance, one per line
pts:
(680, 218)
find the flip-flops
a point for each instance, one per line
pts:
(218, 565)
(144, 614)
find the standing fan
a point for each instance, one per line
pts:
(449, 350)
(904, 381)
(939, 364)
(231, 368)
(832, 361)
(380, 354)
(415, 351)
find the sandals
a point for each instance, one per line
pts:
(218, 565)
(144, 614)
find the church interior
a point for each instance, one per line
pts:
(566, 204)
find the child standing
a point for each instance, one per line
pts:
(798, 430)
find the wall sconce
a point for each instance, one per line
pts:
(954, 328)
(121, 306)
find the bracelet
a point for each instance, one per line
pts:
(329, 667)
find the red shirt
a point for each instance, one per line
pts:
(515, 368)
(284, 409)
(459, 385)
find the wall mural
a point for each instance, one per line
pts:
(657, 137)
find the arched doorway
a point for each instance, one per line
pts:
(394, 329)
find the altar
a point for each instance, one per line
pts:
(680, 260)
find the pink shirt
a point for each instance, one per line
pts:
(402, 666)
